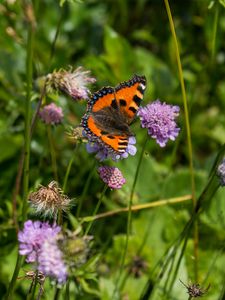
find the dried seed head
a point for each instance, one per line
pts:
(194, 290)
(32, 274)
(137, 266)
(72, 82)
(49, 200)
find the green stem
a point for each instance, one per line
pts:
(86, 186)
(96, 209)
(67, 292)
(29, 72)
(129, 217)
(29, 75)
(69, 169)
(52, 152)
(188, 130)
(214, 34)
(57, 293)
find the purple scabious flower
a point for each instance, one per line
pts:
(159, 119)
(32, 237)
(221, 172)
(50, 261)
(111, 176)
(103, 152)
(51, 114)
(72, 82)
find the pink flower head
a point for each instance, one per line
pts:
(112, 176)
(51, 114)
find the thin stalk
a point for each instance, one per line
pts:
(96, 209)
(29, 75)
(52, 152)
(34, 286)
(214, 34)
(129, 217)
(67, 291)
(57, 294)
(86, 186)
(138, 207)
(29, 72)
(69, 168)
(188, 131)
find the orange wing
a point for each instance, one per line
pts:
(117, 143)
(126, 97)
(129, 95)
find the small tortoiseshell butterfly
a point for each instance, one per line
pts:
(110, 111)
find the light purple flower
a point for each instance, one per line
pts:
(72, 82)
(51, 114)
(221, 172)
(32, 237)
(103, 152)
(50, 261)
(112, 176)
(159, 119)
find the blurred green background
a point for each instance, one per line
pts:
(116, 39)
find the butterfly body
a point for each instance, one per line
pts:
(110, 111)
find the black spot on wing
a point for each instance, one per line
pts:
(114, 104)
(132, 109)
(123, 102)
(111, 137)
(123, 143)
(137, 100)
(104, 132)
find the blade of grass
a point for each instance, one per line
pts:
(188, 131)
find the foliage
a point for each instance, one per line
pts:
(115, 40)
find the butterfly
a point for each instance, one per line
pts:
(110, 111)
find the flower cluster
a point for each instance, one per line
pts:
(111, 176)
(50, 261)
(72, 82)
(51, 114)
(38, 242)
(159, 119)
(221, 172)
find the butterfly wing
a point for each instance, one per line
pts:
(129, 95)
(109, 112)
